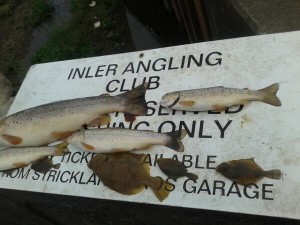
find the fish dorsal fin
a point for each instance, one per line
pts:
(253, 163)
(104, 95)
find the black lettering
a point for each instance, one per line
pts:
(108, 89)
(58, 176)
(222, 129)
(80, 179)
(217, 60)
(87, 73)
(170, 65)
(156, 157)
(84, 157)
(213, 112)
(264, 191)
(129, 68)
(22, 175)
(246, 187)
(141, 64)
(193, 187)
(234, 189)
(70, 74)
(99, 69)
(37, 176)
(182, 62)
(208, 162)
(111, 68)
(204, 187)
(62, 176)
(51, 174)
(140, 123)
(161, 66)
(187, 161)
(75, 158)
(153, 82)
(151, 110)
(198, 63)
(147, 159)
(80, 74)
(172, 188)
(201, 135)
(123, 89)
(171, 123)
(160, 113)
(197, 163)
(92, 179)
(74, 177)
(191, 133)
(231, 111)
(217, 187)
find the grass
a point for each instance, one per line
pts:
(79, 38)
(63, 43)
(41, 10)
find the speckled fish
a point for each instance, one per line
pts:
(44, 124)
(246, 171)
(218, 98)
(126, 173)
(108, 140)
(174, 169)
(20, 157)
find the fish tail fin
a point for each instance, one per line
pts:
(162, 192)
(192, 176)
(175, 140)
(273, 174)
(135, 100)
(269, 95)
(62, 149)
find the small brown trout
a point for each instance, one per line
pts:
(246, 171)
(218, 98)
(20, 157)
(44, 124)
(108, 140)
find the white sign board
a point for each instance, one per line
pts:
(266, 133)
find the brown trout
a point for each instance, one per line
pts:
(44, 124)
(174, 169)
(125, 173)
(218, 98)
(246, 171)
(20, 157)
(108, 140)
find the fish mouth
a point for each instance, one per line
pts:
(175, 102)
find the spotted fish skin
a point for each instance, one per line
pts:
(47, 123)
(109, 140)
(218, 98)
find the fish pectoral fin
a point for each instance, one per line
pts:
(87, 146)
(61, 134)
(218, 108)
(100, 121)
(13, 140)
(20, 165)
(187, 103)
(105, 94)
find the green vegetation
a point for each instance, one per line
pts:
(79, 38)
(40, 11)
